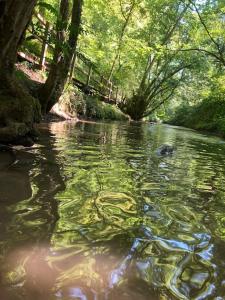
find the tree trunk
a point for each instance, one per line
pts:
(18, 110)
(50, 93)
(14, 17)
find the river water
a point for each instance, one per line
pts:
(92, 212)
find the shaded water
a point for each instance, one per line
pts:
(92, 212)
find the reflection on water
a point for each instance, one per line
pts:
(93, 213)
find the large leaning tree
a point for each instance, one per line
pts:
(164, 68)
(18, 109)
(162, 77)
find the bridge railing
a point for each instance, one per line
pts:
(83, 72)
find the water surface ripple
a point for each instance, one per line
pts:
(92, 212)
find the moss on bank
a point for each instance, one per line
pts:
(80, 105)
(18, 112)
(96, 109)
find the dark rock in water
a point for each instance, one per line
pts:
(5, 147)
(7, 156)
(165, 150)
(34, 134)
(25, 141)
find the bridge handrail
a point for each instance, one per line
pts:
(104, 85)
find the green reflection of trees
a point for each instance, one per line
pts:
(126, 217)
(118, 185)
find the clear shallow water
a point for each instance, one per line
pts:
(92, 212)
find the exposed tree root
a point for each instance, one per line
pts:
(56, 110)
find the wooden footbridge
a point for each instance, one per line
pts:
(83, 73)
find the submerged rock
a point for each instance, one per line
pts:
(165, 149)
(7, 156)
(4, 148)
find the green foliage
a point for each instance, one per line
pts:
(168, 52)
(173, 34)
(48, 6)
(32, 46)
(208, 115)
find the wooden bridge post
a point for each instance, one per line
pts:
(101, 84)
(89, 75)
(122, 97)
(72, 67)
(110, 89)
(101, 80)
(117, 92)
(44, 47)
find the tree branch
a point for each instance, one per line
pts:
(219, 58)
(204, 25)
